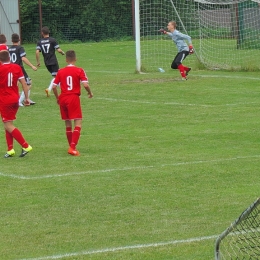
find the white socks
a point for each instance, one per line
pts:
(50, 86)
(22, 96)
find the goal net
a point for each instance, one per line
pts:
(225, 33)
(242, 239)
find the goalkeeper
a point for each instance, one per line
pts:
(183, 49)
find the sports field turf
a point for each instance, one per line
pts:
(165, 166)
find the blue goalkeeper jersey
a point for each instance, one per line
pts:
(179, 39)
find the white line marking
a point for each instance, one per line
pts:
(172, 103)
(151, 102)
(22, 177)
(106, 250)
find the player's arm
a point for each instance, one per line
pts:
(164, 32)
(55, 92)
(59, 50)
(27, 62)
(38, 58)
(188, 39)
(86, 86)
(25, 90)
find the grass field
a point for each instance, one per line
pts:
(166, 165)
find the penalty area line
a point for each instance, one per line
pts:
(22, 177)
(123, 248)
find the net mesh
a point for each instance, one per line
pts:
(225, 33)
(242, 239)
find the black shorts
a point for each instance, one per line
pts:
(53, 69)
(179, 58)
(27, 79)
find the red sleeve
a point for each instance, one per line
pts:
(83, 76)
(57, 79)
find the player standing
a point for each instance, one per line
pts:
(47, 46)
(18, 56)
(183, 49)
(10, 74)
(3, 46)
(70, 79)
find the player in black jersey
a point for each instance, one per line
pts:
(18, 56)
(47, 46)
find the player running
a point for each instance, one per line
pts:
(183, 49)
(47, 46)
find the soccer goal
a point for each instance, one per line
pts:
(242, 239)
(225, 33)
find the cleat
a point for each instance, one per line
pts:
(47, 92)
(25, 151)
(21, 105)
(9, 153)
(32, 102)
(187, 72)
(184, 78)
(73, 152)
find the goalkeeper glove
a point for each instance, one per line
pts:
(162, 31)
(191, 50)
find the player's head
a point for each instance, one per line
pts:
(45, 30)
(2, 39)
(15, 38)
(4, 56)
(171, 25)
(70, 56)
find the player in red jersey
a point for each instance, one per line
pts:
(10, 74)
(3, 46)
(48, 47)
(70, 79)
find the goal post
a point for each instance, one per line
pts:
(225, 33)
(242, 239)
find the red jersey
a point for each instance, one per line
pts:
(69, 79)
(9, 75)
(3, 47)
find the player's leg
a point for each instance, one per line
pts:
(9, 114)
(75, 114)
(22, 96)
(53, 69)
(76, 133)
(10, 145)
(177, 63)
(68, 125)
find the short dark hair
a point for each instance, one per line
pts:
(45, 30)
(4, 56)
(2, 38)
(15, 38)
(71, 55)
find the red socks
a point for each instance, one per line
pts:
(69, 134)
(183, 70)
(17, 135)
(9, 140)
(75, 137)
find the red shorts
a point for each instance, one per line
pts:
(70, 108)
(8, 111)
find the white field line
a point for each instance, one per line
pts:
(122, 248)
(172, 103)
(152, 102)
(22, 177)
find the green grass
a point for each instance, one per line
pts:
(162, 161)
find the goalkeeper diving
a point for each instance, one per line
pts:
(184, 49)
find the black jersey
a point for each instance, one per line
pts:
(16, 54)
(47, 47)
